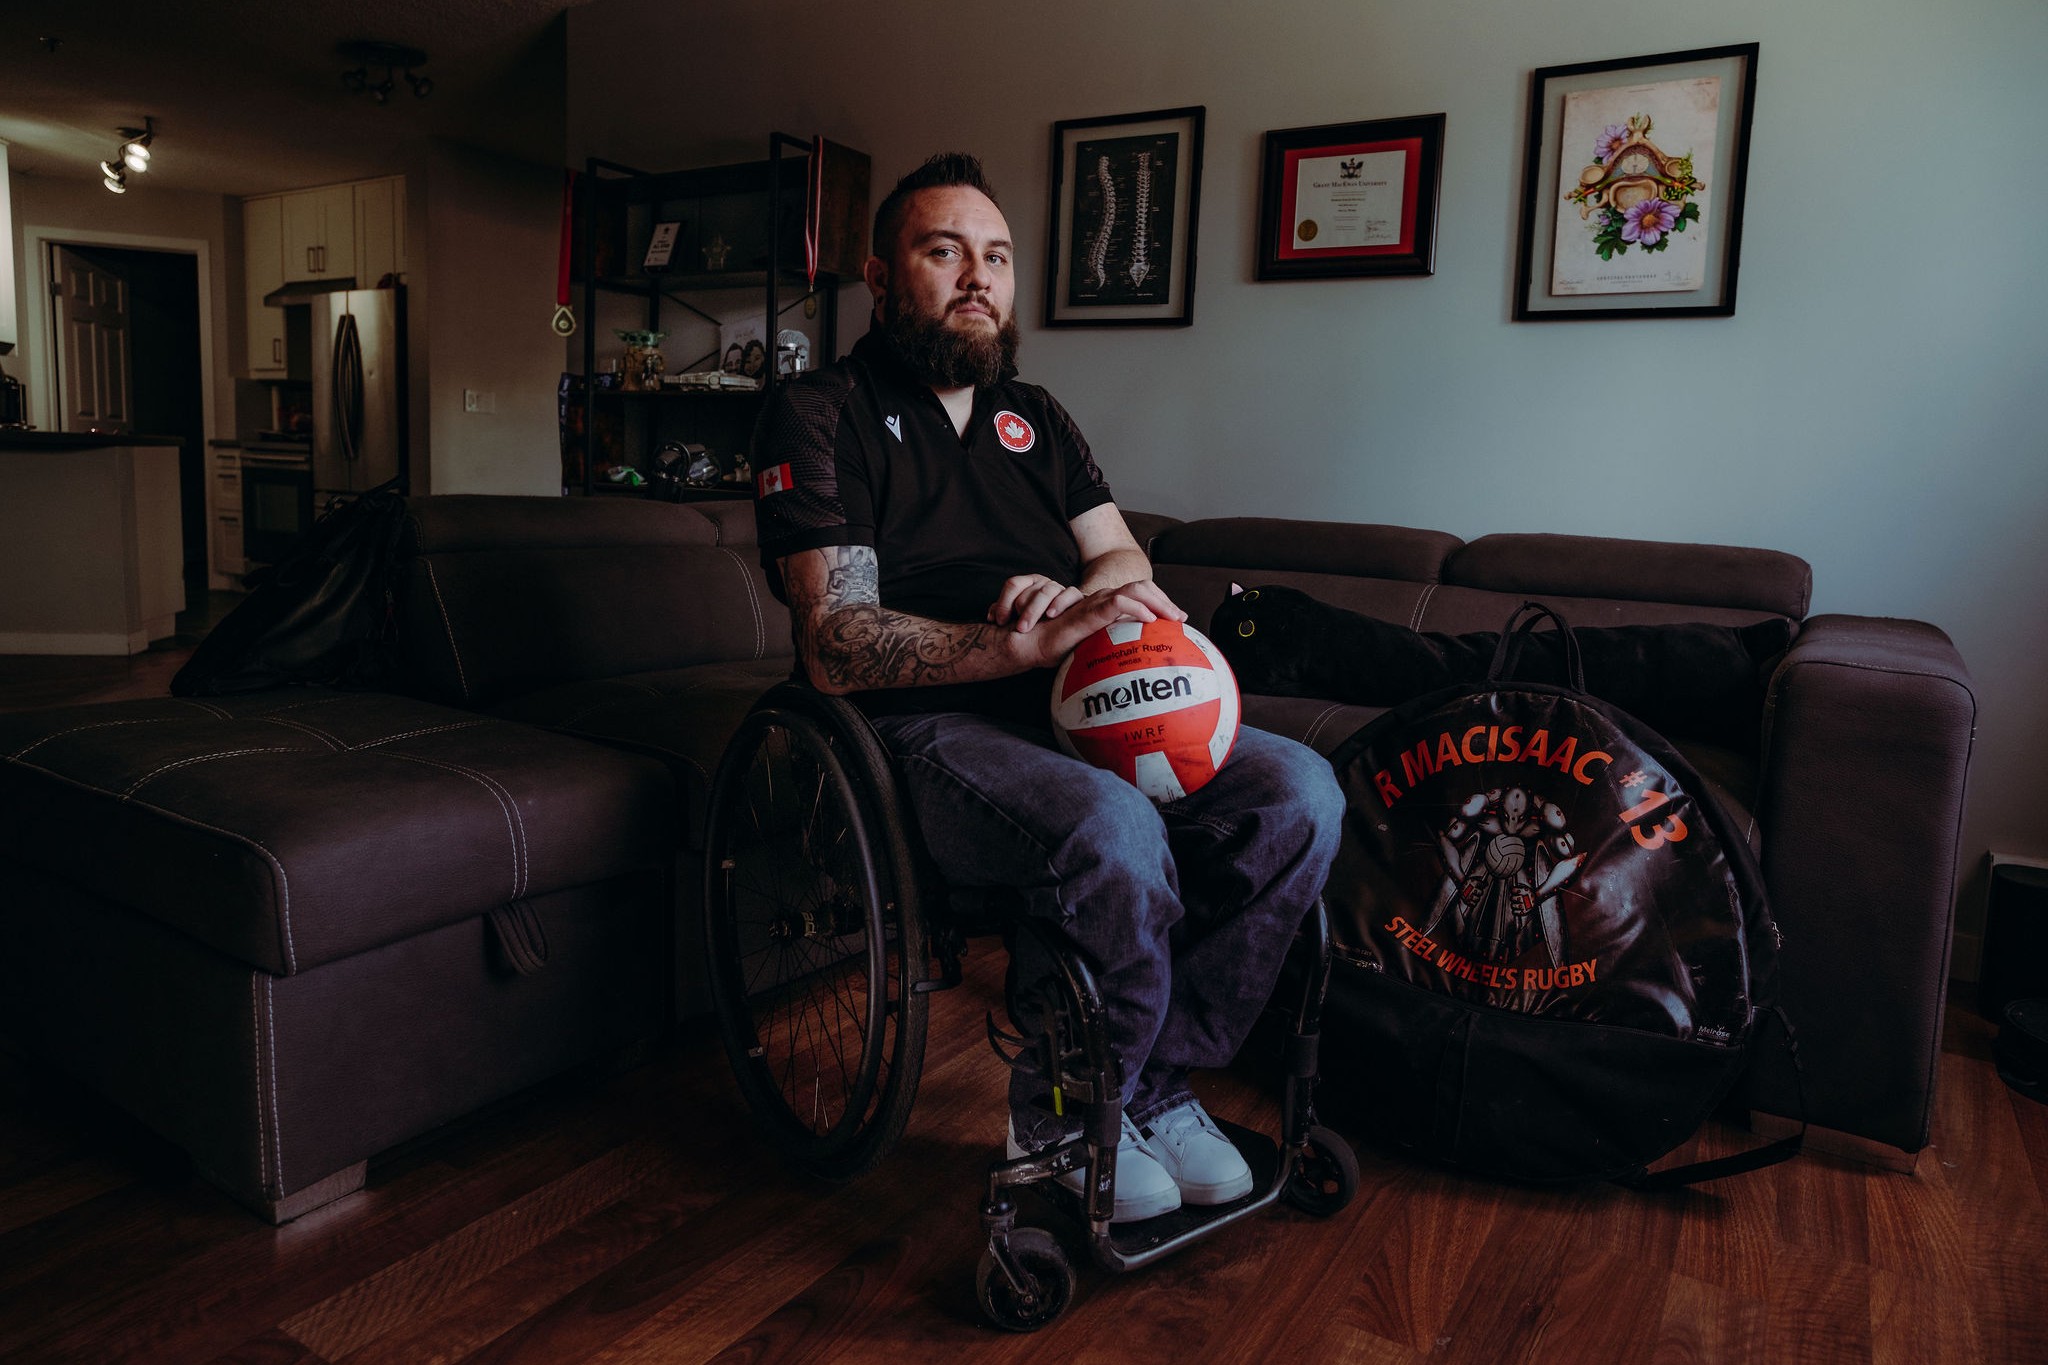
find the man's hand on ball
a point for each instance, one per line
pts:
(1027, 599)
(1154, 596)
(1056, 637)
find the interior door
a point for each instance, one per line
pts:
(94, 388)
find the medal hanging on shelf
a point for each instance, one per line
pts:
(814, 213)
(564, 322)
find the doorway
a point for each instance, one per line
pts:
(126, 323)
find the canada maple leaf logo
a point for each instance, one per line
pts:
(1014, 432)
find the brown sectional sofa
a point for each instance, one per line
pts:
(292, 929)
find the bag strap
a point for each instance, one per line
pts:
(1513, 634)
(1784, 1149)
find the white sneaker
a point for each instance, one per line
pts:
(1189, 1146)
(1143, 1188)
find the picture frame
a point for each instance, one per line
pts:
(1351, 200)
(1633, 182)
(1112, 175)
(660, 246)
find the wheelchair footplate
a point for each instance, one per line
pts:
(1139, 1242)
(1126, 1246)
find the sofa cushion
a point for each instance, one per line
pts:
(1315, 721)
(682, 716)
(295, 827)
(1689, 678)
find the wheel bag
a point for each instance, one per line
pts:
(1553, 948)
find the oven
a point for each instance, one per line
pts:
(277, 501)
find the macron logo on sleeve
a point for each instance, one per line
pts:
(773, 480)
(895, 425)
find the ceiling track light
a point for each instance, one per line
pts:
(394, 62)
(133, 156)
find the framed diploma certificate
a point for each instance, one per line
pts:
(1351, 199)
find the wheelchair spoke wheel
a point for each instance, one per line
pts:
(813, 934)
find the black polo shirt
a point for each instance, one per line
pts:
(863, 453)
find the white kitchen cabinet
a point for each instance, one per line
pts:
(320, 233)
(263, 271)
(380, 230)
(338, 232)
(226, 499)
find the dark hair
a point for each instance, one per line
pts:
(943, 171)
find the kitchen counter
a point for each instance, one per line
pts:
(90, 542)
(13, 439)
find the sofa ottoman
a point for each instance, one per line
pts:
(292, 929)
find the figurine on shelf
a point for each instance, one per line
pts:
(644, 362)
(715, 252)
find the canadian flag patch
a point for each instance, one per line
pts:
(1014, 432)
(775, 479)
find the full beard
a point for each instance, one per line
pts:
(944, 357)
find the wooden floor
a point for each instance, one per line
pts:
(635, 1217)
(32, 680)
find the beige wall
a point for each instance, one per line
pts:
(144, 212)
(1872, 406)
(481, 302)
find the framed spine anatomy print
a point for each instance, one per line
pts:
(1126, 191)
(1632, 186)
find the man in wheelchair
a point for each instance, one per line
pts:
(943, 538)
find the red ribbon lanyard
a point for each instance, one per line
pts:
(814, 209)
(568, 223)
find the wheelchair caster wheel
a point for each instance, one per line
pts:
(1048, 1283)
(1326, 1176)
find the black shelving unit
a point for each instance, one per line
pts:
(759, 208)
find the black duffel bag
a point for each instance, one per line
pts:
(1554, 955)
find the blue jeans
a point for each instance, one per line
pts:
(1184, 912)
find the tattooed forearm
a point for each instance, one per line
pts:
(850, 642)
(864, 646)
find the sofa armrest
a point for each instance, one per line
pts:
(1868, 727)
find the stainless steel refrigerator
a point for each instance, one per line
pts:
(359, 398)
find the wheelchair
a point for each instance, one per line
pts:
(827, 929)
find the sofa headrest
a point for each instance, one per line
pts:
(1728, 576)
(1327, 547)
(450, 522)
(1145, 527)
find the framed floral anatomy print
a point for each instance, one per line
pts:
(1632, 186)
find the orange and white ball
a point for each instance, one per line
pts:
(1153, 702)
